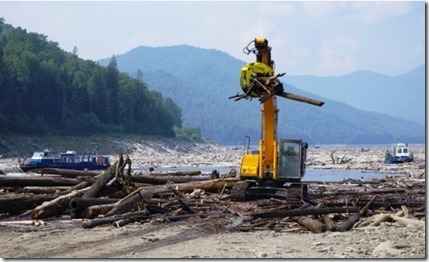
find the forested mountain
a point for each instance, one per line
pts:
(200, 82)
(402, 95)
(45, 90)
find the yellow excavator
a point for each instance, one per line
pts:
(276, 169)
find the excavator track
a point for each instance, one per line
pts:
(238, 191)
(296, 192)
(246, 190)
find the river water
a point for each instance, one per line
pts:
(323, 175)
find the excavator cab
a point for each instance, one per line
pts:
(292, 157)
(284, 182)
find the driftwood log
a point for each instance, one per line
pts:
(113, 175)
(106, 220)
(112, 196)
(96, 210)
(23, 181)
(378, 219)
(103, 209)
(56, 205)
(135, 197)
(101, 182)
(164, 180)
(348, 224)
(304, 212)
(408, 221)
(81, 185)
(66, 172)
(330, 225)
(313, 225)
(18, 203)
(53, 190)
(78, 206)
(178, 173)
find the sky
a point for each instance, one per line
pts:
(320, 38)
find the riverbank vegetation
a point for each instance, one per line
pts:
(47, 91)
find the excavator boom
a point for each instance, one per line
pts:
(275, 163)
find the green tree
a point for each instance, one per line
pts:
(57, 92)
(112, 85)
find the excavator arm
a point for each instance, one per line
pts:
(258, 80)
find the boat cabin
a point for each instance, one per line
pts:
(401, 153)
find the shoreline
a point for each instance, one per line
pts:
(156, 154)
(63, 237)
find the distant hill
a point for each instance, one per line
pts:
(201, 80)
(45, 90)
(402, 95)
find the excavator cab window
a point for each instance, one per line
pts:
(292, 155)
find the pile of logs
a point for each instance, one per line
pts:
(118, 197)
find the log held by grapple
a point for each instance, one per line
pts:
(302, 99)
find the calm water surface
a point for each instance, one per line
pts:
(310, 174)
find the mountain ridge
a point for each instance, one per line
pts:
(401, 95)
(201, 80)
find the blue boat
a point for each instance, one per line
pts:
(400, 154)
(68, 160)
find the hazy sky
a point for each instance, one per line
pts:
(317, 38)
